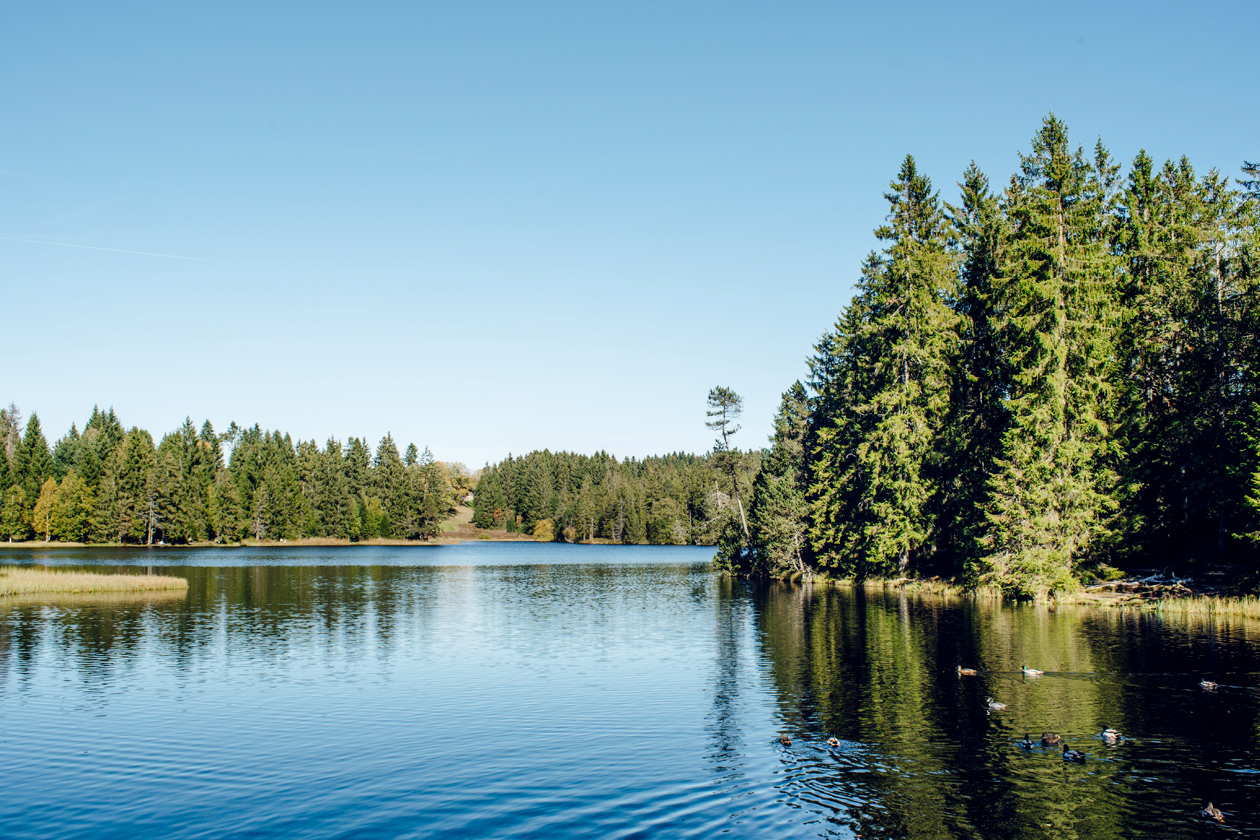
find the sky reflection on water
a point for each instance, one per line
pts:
(575, 691)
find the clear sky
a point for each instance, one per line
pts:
(502, 226)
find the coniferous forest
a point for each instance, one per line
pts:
(1040, 379)
(1031, 384)
(107, 484)
(666, 500)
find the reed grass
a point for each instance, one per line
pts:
(1207, 606)
(26, 581)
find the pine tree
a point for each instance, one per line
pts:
(883, 486)
(32, 462)
(778, 512)
(1050, 499)
(15, 514)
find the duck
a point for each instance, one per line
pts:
(1213, 813)
(1111, 736)
(1207, 685)
(1073, 755)
(1027, 743)
(1048, 740)
(785, 739)
(1032, 672)
(966, 672)
(994, 705)
(833, 742)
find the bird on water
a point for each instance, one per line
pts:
(995, 706)
(1073, 755)
(785, 739)
(1032, 672)
(833, 742)
(966, 672)
(1213, 813)
(1207, 685)
(1027, 743)
(1111, 736)
(1048, 740)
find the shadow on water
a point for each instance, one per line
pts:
(921, 755)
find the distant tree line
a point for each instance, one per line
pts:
(673, 499)
(1030, 383)
(107, 484)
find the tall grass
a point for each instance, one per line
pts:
(25, 581)
(1244, 606)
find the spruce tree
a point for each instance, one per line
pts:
(882, 489)
(972, 436)
(1050, 498)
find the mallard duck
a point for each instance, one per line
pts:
(1213, 813)
(833, 742)
(1207, 685)
(1048, 740)
(966, 672)
(1032, 672)
(1073, 755)
(785, 739)
(994, 705)
(1111, 736)
(1027, 743)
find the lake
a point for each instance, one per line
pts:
(528, 691)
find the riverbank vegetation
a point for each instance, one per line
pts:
(26, 581)
(111, 485)
(1029, 383)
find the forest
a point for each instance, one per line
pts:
(107, 484)
(676, 499)
(1031, 386)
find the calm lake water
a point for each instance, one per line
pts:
(530, 691)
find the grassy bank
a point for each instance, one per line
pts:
(1203, 606)
(24, 581)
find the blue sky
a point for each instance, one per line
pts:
(499, 226)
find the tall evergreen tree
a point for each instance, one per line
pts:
(879, 494)
(1051, 499)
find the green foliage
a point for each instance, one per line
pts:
(1033, 383)
(15, 514)
(41, 518)
(872, 502)
(659, 500)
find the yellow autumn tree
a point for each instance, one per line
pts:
(41, 521)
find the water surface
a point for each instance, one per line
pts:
(525, 690)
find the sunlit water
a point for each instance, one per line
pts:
(525, 690)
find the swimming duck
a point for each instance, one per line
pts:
(1213, 813)
(1207, 685)
(1032, 672)
(994, 705)
(1111, 736)
(833, 742)
(1073, 755)
(1027, 742)
(785, 739)
(1048, 740)
(966, 672)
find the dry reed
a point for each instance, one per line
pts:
(26, 581)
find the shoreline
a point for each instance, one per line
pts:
(1173, 598)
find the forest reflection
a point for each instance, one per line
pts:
(588, 646)
(921, 755)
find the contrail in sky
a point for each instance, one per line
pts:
(98, 248)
